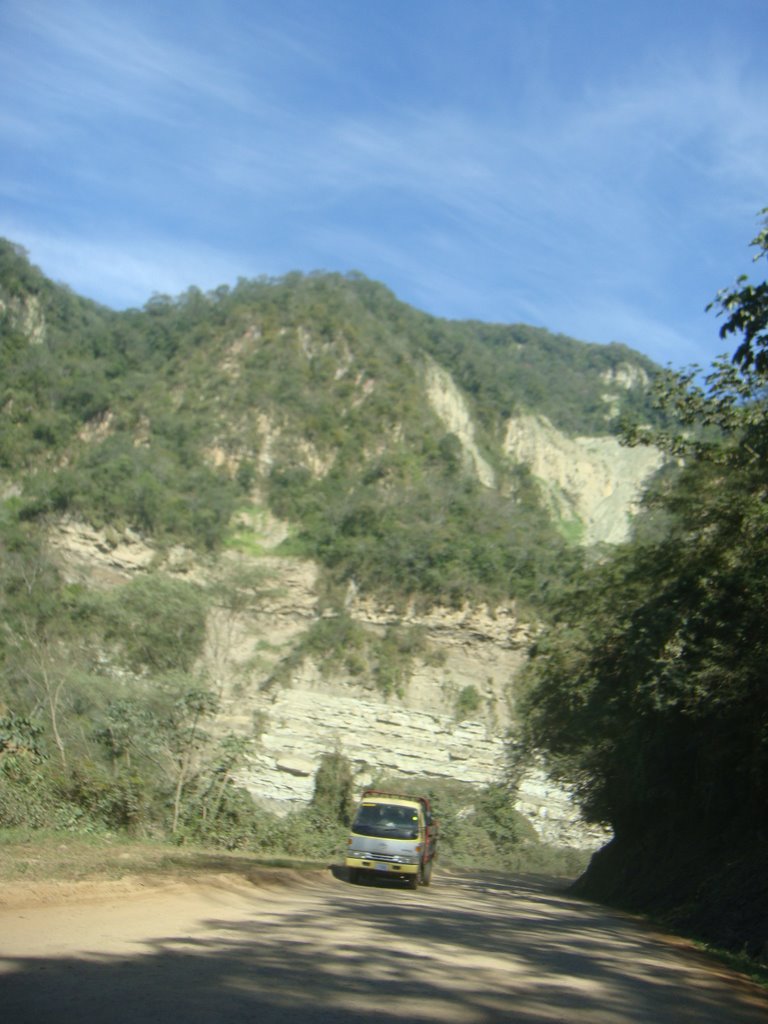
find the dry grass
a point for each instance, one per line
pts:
(55, 856)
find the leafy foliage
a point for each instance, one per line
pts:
(338, 644)
(158, 623)
(745, 307)
(115, 419)
(649, 688)
(305, 393)
(334, 788)
(468, 700)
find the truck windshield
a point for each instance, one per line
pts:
(390, 821)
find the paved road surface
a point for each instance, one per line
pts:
(468, 950)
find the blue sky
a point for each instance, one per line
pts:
(591, 167)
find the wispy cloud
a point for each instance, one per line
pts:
(126, 271)
(95, 60)
(193, 146)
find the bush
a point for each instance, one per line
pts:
(307, 833)
(468, 701)
(158, 622)
(332, 799)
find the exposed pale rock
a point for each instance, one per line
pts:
(554, 814)
(97, 429)
(259, 525)
(86, 550)
(591, 481)
(451, 408)
(626, 376)
(26, 315)
(298, 766)
(374, 737)
(378, 739)
(9, 489)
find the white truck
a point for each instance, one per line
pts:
(392, 835)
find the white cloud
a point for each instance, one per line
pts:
(594, 202)
(94, 60)
(124, 271)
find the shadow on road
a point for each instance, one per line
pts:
(474, 950)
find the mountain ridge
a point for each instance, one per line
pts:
(429, 475)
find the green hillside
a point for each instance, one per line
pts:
(309, 396)
(154, 419)
(179, 424)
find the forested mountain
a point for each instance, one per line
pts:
(377, 431)
(386, 447)
(434, 491)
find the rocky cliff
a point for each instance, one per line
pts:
(295, 381)
(589, 483)
(418, 731)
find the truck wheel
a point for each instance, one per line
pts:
(426, 873)
(413, 880)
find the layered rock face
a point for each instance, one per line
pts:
(385, 740)
(420, 730)
(414, 734)
(375, 736)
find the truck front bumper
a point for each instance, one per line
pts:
(381, 866)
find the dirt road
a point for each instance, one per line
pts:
(318, 950)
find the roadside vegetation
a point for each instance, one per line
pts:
(31, 857)
(95, 844)
(648, 688)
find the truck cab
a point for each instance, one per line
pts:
(392, 835)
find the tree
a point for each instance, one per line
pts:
(41, 634)
(746, 307)
(332, 798)
(237, 591)
(229, 754)
(158, 622)
(186, 741)
(648, 690)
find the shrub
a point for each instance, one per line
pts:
(468, 701)
(158, 622)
